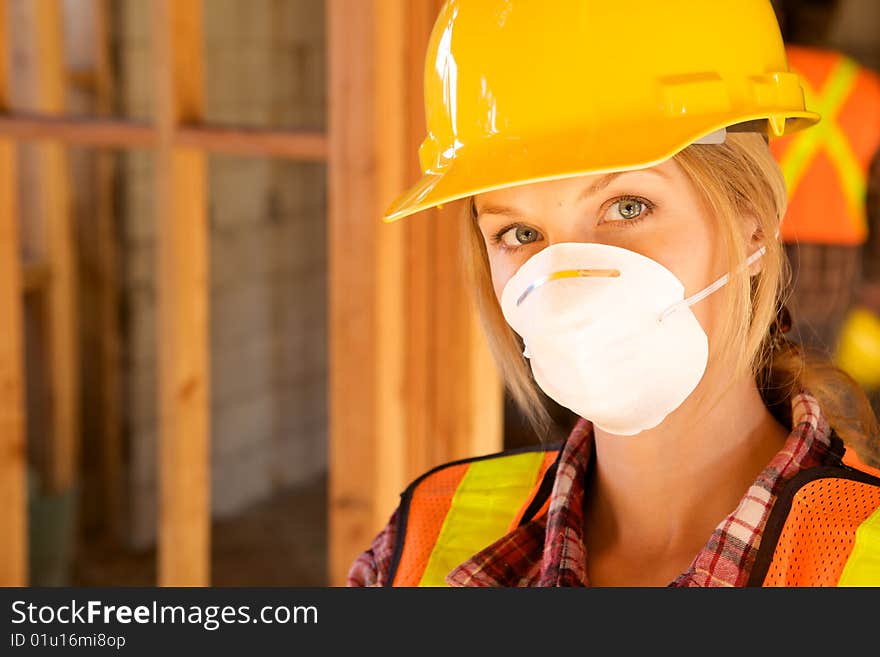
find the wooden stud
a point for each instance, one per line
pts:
(110, 346)
(183, 289)
(484, 407)
(421, 315)
(13, 456)
(390, 433)
(351, 242)
(412, 385)
(36, 276)
(411, 382)
(458, 409)
(473, 418)
(60, 252)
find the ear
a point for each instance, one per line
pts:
(755, 240)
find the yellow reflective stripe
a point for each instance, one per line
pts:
(482, 508)
(799, 155)
(827, 133)
(863, 566)
(854, 181)
(805, 144)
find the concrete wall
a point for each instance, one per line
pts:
(264, 66)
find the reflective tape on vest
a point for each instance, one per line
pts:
(826, 167)
(488, 497)
(863, 566)
(457, 510)
(830, 535)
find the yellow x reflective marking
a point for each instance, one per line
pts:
(827, 134)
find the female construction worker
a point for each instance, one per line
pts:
(621, 214)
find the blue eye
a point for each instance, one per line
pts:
(513, 237)
(627, 209)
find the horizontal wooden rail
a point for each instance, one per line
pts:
(115, 133)
(296, 145)
(85, 80)
(93, 132)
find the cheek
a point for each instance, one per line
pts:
(499, 280)
(502, 269)
(702, 269)
(692, 256)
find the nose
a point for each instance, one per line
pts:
(571, 233)
(567, 273)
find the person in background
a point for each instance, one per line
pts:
(832, 226)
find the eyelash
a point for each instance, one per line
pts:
(649, 208)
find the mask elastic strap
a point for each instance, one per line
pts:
(714, 287)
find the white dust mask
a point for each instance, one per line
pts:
(609, 332)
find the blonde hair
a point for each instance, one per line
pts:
(736, 179)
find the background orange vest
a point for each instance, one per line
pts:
(826, 167)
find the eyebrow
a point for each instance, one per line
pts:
(588, 191)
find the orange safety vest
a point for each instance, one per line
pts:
(823, 530)
(826, 167)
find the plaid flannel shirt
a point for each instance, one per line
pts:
(549, 550)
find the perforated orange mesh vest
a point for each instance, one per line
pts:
(826, 167)
(451, 512)
(824, 529)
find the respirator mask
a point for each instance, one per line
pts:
(609, 333)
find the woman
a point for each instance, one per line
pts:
(621, 219)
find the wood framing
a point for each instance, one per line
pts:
(411, 384)
(60, 252)
(13, 457)
(353, 326)
(35, 276)
(78, 130)
(183, 289)
(302, 145)
(107, 258)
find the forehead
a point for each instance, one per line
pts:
(580, 187)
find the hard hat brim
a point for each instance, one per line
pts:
(507, 162)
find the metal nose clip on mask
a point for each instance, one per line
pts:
(609, 333)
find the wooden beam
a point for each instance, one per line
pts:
(183, 289)
(60, 251)
(390, 322)
(107, 322)
(352, 241)
(301, 145)
(84, 80)
(78, 130)
(421, 357)
(36, 276)
(412, 385)
(114, 133)
(453, 393)
(13, 455)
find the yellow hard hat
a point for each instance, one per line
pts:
(858, 347)
(518, 91)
